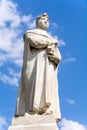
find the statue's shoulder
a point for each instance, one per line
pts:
(39, 32)
(28, 31)
(34, 31)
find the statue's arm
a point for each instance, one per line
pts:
(54, 54)
(37, 41)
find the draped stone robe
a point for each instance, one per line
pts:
(38, 91)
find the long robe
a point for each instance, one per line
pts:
(38, 91)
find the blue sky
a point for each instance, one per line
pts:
(68, 23)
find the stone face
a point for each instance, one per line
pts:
(45, 122)
(42, 21)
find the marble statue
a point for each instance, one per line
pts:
(38, 91)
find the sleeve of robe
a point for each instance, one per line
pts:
(37, 41)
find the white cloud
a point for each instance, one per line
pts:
(8, 13)
(68, 60)
(27, 20)
(11, 28)
(8, 80)
(13, 73)
(69, 101)
(31, 25)
(61, 42)
(70, 125)
(54, 25)
(11, 79)
(3, 123)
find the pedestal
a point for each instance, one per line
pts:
(35, 122)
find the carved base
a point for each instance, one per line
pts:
(36, 122)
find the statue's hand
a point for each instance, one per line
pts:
(50, 49)
(53, 54)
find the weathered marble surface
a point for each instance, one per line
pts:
(40, 122)
(38, 92)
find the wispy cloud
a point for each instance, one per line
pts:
(54, 25)
(69, 101)
(69, 60)
(71, 125)
(8, 80)
(3, 123)
(61, 42)
(11, 28)
(11, 78)
(13, 73)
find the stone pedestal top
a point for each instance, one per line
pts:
(35, 119)
(35, 122)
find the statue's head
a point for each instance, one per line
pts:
(42, 21)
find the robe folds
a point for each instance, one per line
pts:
(38, 90)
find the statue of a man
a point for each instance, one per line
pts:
(38, 91)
